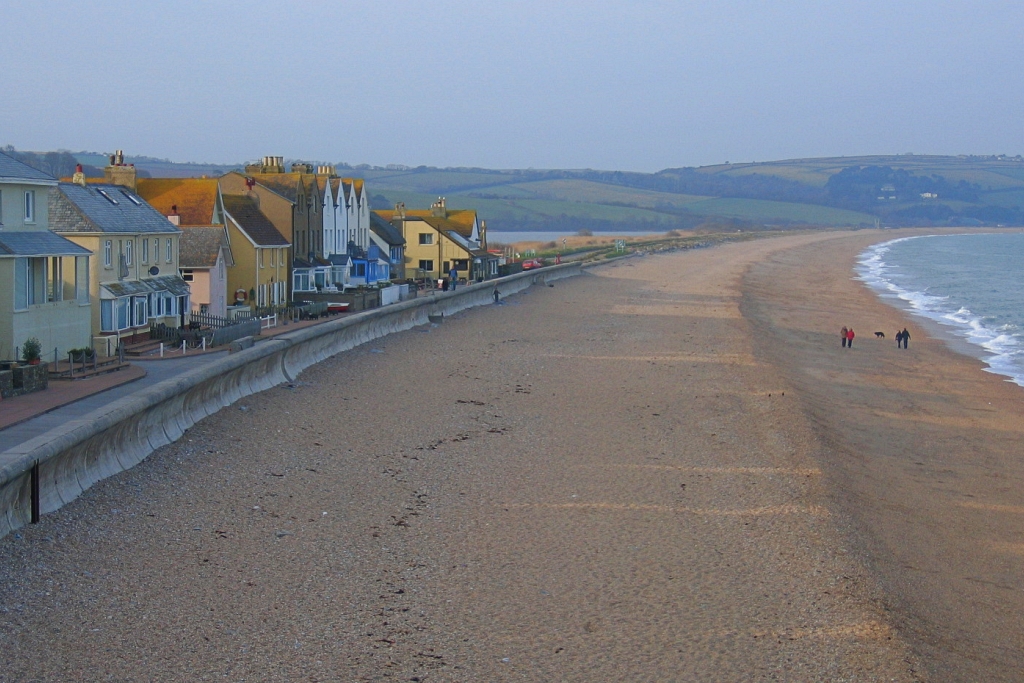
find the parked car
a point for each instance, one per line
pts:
(531, 263)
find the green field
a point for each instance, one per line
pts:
(569, 190)
(530, 209)
(770, 212)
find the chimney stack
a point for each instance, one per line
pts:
(79, 177)
(117, 173)
(438, 210)
(174, 218)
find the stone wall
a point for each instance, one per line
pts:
(23, 379)
(357, 300)
(54, 468)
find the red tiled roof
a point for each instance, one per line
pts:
(194, 197)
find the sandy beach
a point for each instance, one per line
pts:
(664, 470)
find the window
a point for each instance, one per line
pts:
(55, 286)
(261, 258)
(273, 257)
(145, 250)
(108, 197)
(162, 304)
(187, 275)
(1, 207)
(156, 250)
(22, 284)
(462, 264)
(169, 253)
(221, 269)
(426, 238)
(426, 264)
(300, 281)
(115, 314)
(128, 251)
(130, 198)
(108, 255)
(358, 269)
(30, 206)
(140, 311)
(82, 279)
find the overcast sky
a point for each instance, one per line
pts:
(626, 85)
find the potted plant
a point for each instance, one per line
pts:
(31, 351)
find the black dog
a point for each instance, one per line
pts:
(880, 335)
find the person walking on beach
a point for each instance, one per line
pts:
(842, 335)
(849, 338)
(905, 336)
(899, 338)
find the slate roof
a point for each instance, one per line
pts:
(38, 243)
(248, 216)
(165, 283)
(13, 170)
(352, 188)
(288, 184)
(199, 246)
(196, 198)
(74, 208)
(385, 230)
(284, 184)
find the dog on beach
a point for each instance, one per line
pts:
(879, 335)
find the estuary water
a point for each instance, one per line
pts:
(972, 285)
(510, 237)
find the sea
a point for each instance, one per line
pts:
(970, 286)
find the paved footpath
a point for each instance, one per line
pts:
(143, 374)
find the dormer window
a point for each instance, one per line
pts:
(107, 197)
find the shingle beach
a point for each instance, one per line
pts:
(666, 469)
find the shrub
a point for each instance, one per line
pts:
(31, 350)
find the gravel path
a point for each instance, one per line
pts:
(595, 481)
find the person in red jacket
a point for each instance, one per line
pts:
(849, 338)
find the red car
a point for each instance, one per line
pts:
(530, 264)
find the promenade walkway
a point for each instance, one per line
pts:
(26, 417)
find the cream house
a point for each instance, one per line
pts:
(44, 278)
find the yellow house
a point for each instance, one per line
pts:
(134, 276)
(440, 240)
(259, 277)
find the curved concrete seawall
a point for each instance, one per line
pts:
(42, 474)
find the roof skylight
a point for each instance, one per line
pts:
(134, 200)
(107, 196)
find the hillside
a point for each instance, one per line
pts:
(896, 190)
(842, 191)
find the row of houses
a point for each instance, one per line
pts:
(90, 262)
